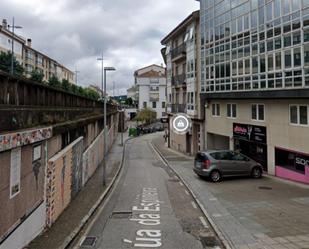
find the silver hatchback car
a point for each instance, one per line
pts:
(220, 163)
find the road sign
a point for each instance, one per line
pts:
(181, 124)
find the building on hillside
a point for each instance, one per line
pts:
(30, 58)
(151, 83)
(182, 57)
(132, 93)
(255, 82)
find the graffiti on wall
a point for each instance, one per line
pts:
(93, 156)
(17, 139)
(59, 181)
(77, 154)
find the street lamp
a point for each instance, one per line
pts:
(13, 32)
(105, 128)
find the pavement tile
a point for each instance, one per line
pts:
(276, 218)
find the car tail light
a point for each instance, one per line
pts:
(206, 164)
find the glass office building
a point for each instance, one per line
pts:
(250, 45)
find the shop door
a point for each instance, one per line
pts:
(256, 151)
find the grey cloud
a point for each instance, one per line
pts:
(75, 32)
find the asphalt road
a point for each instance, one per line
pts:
(148, 208)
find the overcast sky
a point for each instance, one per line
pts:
(75, 32)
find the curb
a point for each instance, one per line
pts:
(223, 239)
(69, 239)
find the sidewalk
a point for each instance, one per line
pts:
(71, 218)
(248, 213)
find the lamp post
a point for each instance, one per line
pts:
(76, 74)
(13, 32)
(105, 127)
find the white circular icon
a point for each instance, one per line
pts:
(181, 123)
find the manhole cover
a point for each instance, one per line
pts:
(265, 188)
(121, 215)
(89, 241)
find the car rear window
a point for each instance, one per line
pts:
(200, 157)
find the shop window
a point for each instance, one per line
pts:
(299, 114)
(297, 57)
(291, 160)
(231, 110)
(258, 112)
(216, 110)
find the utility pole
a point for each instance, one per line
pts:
(13, 37)
(76, 72)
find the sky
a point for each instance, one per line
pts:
(77, 32)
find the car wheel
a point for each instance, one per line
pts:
(215, 176)
(256, 172)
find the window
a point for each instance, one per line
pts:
(144, 104)
(297, 57)
(216, 110)
(231, 111)
(299, 114)
(287, 59)
(257, 112)
(291, 160)
(306, 54)
(163, 104)
(154, 104)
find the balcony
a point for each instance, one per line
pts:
(179, 80)
(179, 52)
(176, 108)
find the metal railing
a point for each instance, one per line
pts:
(179, 79)
(180, 50)
(176, 108)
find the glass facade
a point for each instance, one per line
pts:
(254, 44)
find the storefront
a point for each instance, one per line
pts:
(292, 165)
(251, 140)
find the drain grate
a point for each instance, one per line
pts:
(121, 215)
(89, 241)
(209, 241)
(265, 188)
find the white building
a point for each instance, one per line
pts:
(151, 83)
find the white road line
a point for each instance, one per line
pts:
(181, 183)
(187, 193)
(127, 241)
(204, 222)
(193, 204)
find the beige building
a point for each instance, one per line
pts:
(150, 83)
(255, 82)
(182, 57)
(30, 58)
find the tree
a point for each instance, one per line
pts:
(5, 64)
(66, 85)
(54, 82)
(37, 76)
(92, 94)
(129, 101)
(146, 115)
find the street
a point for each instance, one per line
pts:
(148, 208)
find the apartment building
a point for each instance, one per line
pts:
(255, 79)
(30, 58)
(182, 57)
(151, 84)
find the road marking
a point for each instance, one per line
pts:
(181, 183)
(204, 222)
(187, 193)
(193, 204)
(216, 215)
(127, 241)
(213, 199)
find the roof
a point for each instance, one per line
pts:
(151, 74)
(147, 67)
(194, 15)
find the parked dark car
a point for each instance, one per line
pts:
(222, 163)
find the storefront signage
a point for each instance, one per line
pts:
(302, 160)
(18, 139)
(250, 132)
(15, 172)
